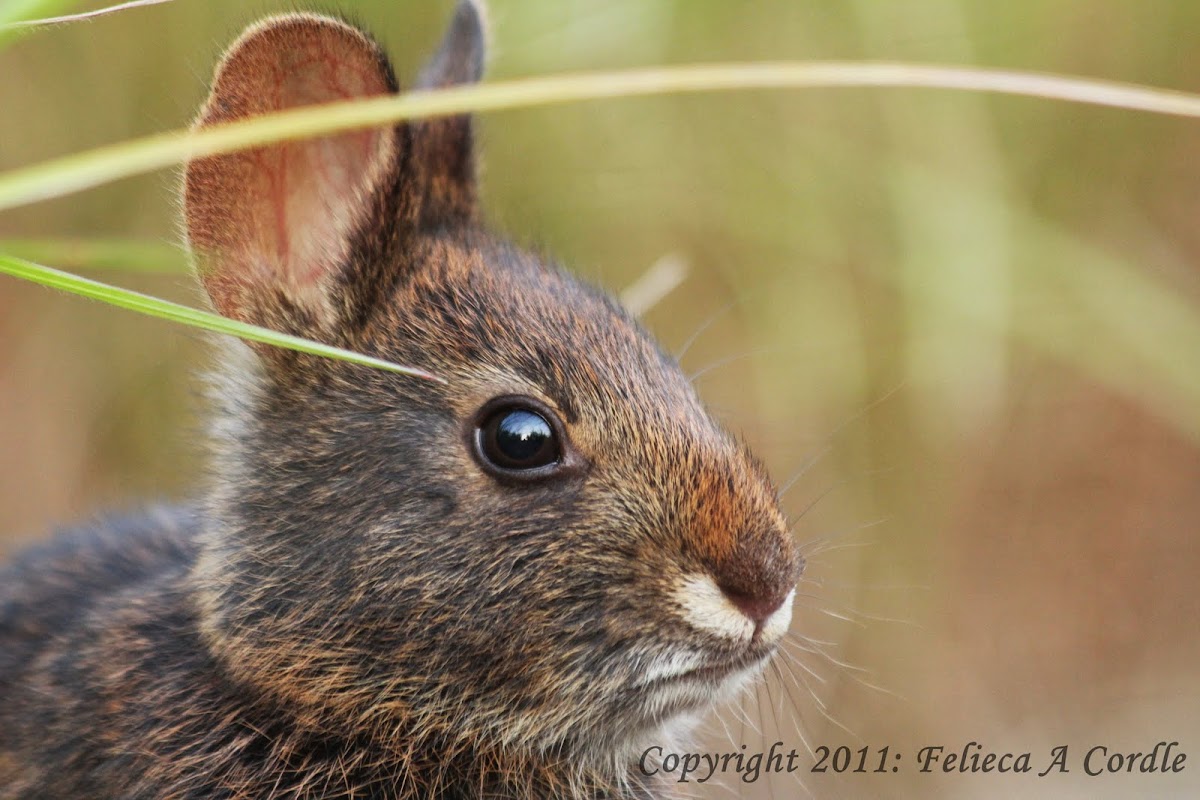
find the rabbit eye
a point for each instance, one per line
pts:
(518, 440)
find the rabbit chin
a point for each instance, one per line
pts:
(675, 696)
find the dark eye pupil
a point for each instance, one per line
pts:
(522, 435)
(519, 439)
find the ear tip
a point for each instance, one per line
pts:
(252, 69)
(474, 13)
(296, 23)
(470, 30)
(460, 57)
(264, 40)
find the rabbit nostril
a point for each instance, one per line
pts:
(759, 575)
(758, 606)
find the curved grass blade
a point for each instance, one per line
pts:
(194, 317)
(14, 14)
(21, 22)
(81, 171)
(20, 12)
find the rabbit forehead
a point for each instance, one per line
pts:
(488, 316)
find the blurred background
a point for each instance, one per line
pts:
(962, 330)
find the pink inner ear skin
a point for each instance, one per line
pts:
(280, 218)
(317, 187)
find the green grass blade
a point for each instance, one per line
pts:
(81, 171)
(164, 309)
(134, 255)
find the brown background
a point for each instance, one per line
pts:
(976, 318)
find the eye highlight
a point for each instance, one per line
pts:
(518, 438)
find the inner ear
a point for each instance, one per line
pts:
(273, 228)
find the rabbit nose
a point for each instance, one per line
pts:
(760, 575)
(757, 606)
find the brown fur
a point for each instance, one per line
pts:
(356, 608)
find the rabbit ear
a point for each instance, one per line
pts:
(274, 229)
(444, 148)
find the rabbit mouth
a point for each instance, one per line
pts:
(718, 673)
(698, 666)
(690, 682)
(672, 691)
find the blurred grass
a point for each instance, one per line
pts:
(136, 255)
(973, 317)
(102, 165)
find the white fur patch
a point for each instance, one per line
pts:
(777, 624)
(670, 666)
(706, 608)
(734, 684)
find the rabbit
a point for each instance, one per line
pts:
(505, 585)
